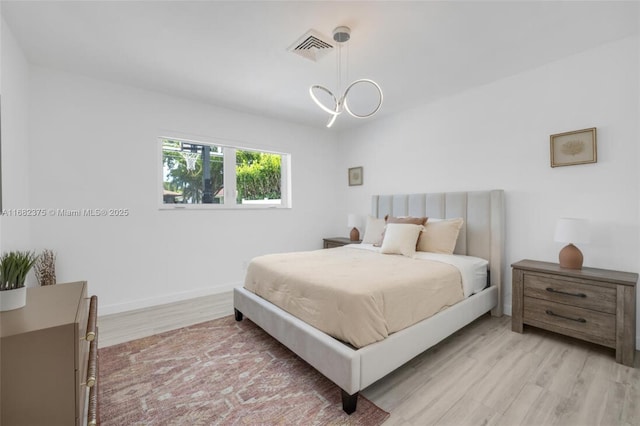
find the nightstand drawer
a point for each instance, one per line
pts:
(329, 244)
(596, 327)
(602, 299)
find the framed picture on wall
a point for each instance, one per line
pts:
(577, 147)
(355, 176)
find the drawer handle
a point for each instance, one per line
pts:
(92, 368)
(93, 319)
(553, 314)
(552, 290)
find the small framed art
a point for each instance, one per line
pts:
(577, 147)
(355, 176)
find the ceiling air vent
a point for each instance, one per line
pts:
(311, 45)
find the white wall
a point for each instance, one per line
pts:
(15, 136)
(497, 136)
(93, 144)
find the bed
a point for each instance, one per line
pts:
(352, 368)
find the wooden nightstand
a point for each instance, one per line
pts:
(597, 305)
(337, 242)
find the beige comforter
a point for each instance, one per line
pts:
(354, 295)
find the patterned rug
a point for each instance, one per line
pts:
(220, 372)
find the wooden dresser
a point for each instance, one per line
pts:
(48, 362)
(597, 305)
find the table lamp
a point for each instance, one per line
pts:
(571, 230)
(354, 221)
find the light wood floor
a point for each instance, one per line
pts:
(483, 375)
(488, 375)
(131, 325)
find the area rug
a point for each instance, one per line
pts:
(220, 372)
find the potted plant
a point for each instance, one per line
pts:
(14, 267)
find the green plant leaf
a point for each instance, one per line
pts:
(14, 267)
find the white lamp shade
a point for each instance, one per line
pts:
(354, 220)
(572, 230)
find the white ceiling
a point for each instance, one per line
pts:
(234, 54)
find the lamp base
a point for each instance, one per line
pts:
(570, 257)
(355, 235)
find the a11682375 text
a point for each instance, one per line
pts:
(57, 212)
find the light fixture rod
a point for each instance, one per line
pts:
(341, 35)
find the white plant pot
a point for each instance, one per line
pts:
(13, 299)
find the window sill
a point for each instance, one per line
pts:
(184, 207)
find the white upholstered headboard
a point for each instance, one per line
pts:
(482, 234)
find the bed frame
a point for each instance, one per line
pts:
(482, 235)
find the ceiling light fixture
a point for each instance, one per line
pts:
(341, 35)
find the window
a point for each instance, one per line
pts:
(207, 175)
(192, 173)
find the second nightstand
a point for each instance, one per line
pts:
(597, 305)
(337, 242)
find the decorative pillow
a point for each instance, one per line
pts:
(373, 231)
(401, 238)
(440, 236)
(405, 219)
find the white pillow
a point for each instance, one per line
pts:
(401, 238)
(373, 231)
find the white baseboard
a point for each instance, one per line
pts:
(506, 309)
(166, 298)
